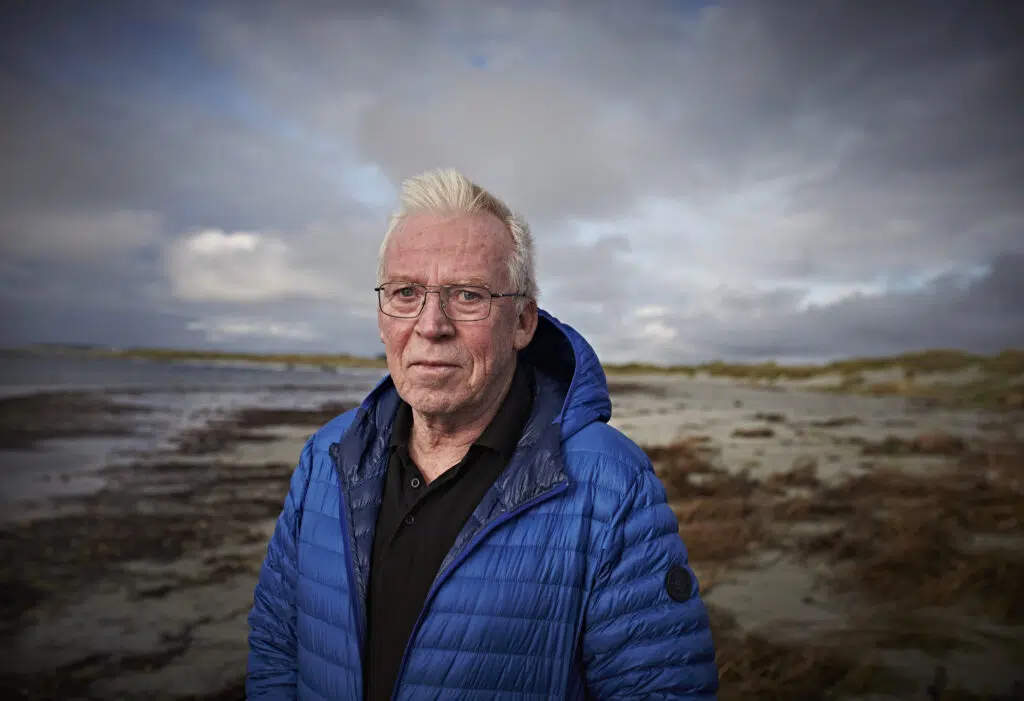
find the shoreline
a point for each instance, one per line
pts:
(938, 377)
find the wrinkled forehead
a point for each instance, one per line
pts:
(434, 248)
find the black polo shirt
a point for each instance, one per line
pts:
(418, 524)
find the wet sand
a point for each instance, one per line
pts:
(849, 547)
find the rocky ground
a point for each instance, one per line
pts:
(849, 547)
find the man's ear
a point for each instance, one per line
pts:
(526, 325)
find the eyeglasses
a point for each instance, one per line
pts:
(405, 300)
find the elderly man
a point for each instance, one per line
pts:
(475, 529)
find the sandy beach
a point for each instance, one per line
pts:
(848, 546)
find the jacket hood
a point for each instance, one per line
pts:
(561, 353)
(563, 356)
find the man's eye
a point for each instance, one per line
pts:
(469, 296)
(406, 291)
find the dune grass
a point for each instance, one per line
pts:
(1007, 362)
(989, 392)
(997, 381)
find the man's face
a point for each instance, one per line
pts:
(448, 368)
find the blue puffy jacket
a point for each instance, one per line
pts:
(569, 581)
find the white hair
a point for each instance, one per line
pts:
(447, 191)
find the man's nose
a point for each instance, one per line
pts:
(433, 322)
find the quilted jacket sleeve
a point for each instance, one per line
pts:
(273, 662)
(646, 633)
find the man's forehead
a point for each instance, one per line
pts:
(461, 248)
(479, 227)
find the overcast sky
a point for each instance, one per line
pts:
(743, 180)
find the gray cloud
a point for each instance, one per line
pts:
(739, 179)
(981, 314)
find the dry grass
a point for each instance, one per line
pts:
(993, 391)
(1008, 363)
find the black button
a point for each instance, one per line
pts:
(415, 482)
(410, 519)
(679, 583)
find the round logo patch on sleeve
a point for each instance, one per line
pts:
(679, 583)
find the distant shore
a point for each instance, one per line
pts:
(947, 378)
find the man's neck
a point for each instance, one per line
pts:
(438, 443)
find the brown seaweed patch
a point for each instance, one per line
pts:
(754, 432)
(804, 473)
(250, 426)
(718, 517)
(770, 417)
(58, 556)
(26, 421)
(752, 666)
(837, 422)
(631, 387)
(906, 538)
(933, 443)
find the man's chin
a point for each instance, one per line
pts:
(431, 390)
(431, 404)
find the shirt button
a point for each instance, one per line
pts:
(415, 482)
(409, 520)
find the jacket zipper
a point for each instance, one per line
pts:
(466, 550)
(347, 538)
(350, 545)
